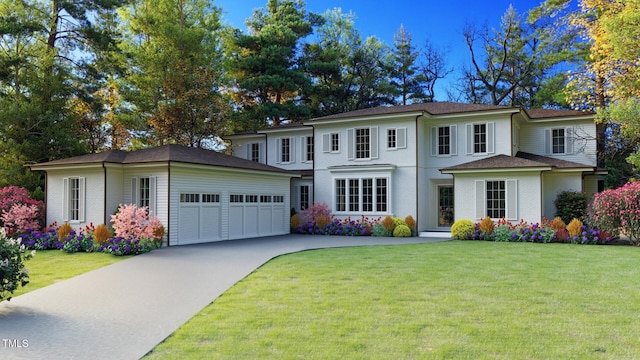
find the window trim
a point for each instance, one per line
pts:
(352, 148)
(136, 190)
(365, 197)
(67, 207)
(568, 140)
(400, 138)
(453, 141)
(331, 143)
(489, 138)
(511, 198)
(291, 150)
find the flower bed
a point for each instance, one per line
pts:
(545, 232)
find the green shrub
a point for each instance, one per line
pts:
(398, 221)
(402, 231)
(571, 205)
(379, 230)
(463, 229)
(503, 233)
(12, 270)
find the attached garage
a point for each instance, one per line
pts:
(199, 195)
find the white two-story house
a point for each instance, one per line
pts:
(436, 161)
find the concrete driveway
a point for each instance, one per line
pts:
(123, 310)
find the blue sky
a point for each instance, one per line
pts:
(440, 21)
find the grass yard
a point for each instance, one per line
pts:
(458, 300)
(50, 266)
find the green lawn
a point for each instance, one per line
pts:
(50, 266)
(457, 300)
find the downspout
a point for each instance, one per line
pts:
(313, 164)
(417, 178)
(104, 200)
(167, 228)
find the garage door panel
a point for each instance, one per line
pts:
(277, 217)
(236, 221)
(210, 223)
(266, 224)
(189, 224)
(251, 220)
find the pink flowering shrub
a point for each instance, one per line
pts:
(20, 218)
(310, 215)
(618, 211)
(16, 195)
(133, 222)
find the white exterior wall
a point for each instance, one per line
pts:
(529, 203)
(297, 138)
(93, 196)
(115, 190)
(532, 140)
(555, 183)
(431, 163)
(192, 179)
(398, 165)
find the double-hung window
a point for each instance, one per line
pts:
(443, 140)
(396, 138)
(285, 147)
(331, 142)
(308, 148)
(362, 143)
(497, 199)
(73, 207)
(254, 152)
(558, 141)
(480, 138)
(143, 192)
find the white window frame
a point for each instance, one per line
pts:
(511, 198)
(353, 199)
(331, 143)
(372, 151)
(290, 154)
(73, 205)
(568, 141)
(306, 149)
(136, 192)
(254, 152)
(489, 138)
(400, 138)
(435, 140)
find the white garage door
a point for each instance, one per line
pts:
(255, 215)
(199, 218)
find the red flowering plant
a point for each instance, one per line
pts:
(618, 211)
(18, 211)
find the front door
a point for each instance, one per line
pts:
(445, 205)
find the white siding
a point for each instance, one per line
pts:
(555, 183)
(233, 223)
(93, 196)
(527, 199)
(533, 139)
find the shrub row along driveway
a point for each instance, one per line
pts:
(123, 310)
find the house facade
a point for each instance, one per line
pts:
(436, 161)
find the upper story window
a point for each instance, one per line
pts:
(363, 150)
(362, 143)
(285, 150)
(285, 147)
(254, 152)
(331, 142)
(558, 141)
(396, 138)
(392, 140)
(480, 138)
(443, 140)
(308, 156)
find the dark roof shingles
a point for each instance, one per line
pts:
(166, 153)
(521, 160)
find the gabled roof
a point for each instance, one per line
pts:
(522, 160)
(165, 153)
